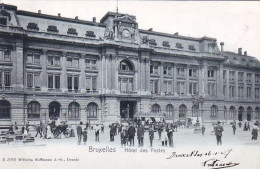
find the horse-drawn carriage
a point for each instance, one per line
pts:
(60, 129)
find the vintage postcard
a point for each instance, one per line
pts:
(129, 84)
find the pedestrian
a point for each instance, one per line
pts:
(23, 128)
(111, 132)
(170, 137)
(254, 132)
(140, 135)
(165, 138)
(48, 132)
(248, 126)
(79, 132)
(120, 128)
(44, 131)
(151, 136)
(97, 133)
(123, 136)
(27, 127)
(160, 128)
(102, 128)
(245, 127)
(234, 128)
(131, 134)
(38, 131)
(239, 124)
(203, 130)
(85, 135)
(218, 132)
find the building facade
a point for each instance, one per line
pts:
(75, 70)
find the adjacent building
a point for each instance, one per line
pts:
(109, 71)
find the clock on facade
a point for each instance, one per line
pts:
(126, 33)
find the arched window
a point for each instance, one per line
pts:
(213, 111)
(249, 113)
(156, 109)
(232, 112)
(194, 110)
(169, 111)
(126, 65)
(182, 111)
(92, 109)
(257, 113)
(5, 109)
(33, 109)
(74, 110)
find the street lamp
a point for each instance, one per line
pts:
(197, 101)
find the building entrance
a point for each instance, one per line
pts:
(240, 116)
(54, 110)
(127, 109)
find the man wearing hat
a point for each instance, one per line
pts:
(218, 132)
(79, 132)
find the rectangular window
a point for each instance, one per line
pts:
(193, 88)
(70, 82)
(94, 83)
(156, 86)
(212, 89)
(257, 93)
(211, 73)
(36, 59)
(50, 81)
(88, 83)
(153, 69)
(7, 55)
(231, 76)
(88, 63)
(181, 88)
(240, 91)
(249, 77)
(181, 71)
(75, 62)
(57, 61)
(57, 81)
(7, 77)
(76, 82)
(257, 78)
(240, 76)
(94, 64)
(224, 75)
(231, 91)
(29, 80)
(50, 60)
(249, 92)
(37, 80)
(29, 58)
(69, 61)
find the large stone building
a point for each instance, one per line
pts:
(56, 67)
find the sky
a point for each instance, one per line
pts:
(237, 24)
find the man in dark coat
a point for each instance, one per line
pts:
(151, 136)
(218, 132)
(38, 131)
(203, 129)
(170, 137)
(111, 133)
(131, 133)
(140, 135)
(160, 129)
(79, 132)
(234, 128)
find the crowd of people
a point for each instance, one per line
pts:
(128, 132)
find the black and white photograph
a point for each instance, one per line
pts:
(129, 84)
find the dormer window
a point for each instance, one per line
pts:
(3, 17)
(72, 31)
(32, 27)
(166, 44)
(192, 48)
(179, 45)
(52, 29)
(3, 20)
(152, 42)
(90, 34)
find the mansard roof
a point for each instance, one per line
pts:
(239, 60)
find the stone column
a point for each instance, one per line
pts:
(147, 75)
(82, 77)
(44, 75)
(175, 79)
(245, 86)
(220, 82)
(63, 78)
(253, 87)
(227, 84)
(236, 84)
(205, 79)
(187, 80)
(161, 78)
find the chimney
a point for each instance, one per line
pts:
(245, 53)
(59, 15)
(94, 19)
(151, 29)
(240, 51)
(222, 46)
(176, 33)
(77, 18)
(39, 11)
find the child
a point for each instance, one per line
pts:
(85, 136)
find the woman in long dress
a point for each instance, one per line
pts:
(48, 135)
